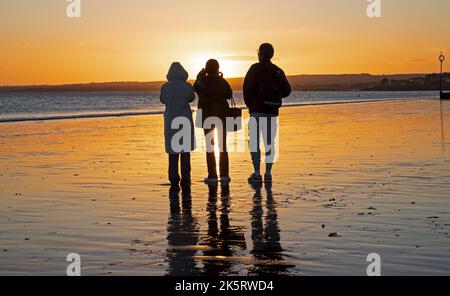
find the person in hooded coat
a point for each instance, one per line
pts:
(213, 95)
(179, 137)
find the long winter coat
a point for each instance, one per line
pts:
(176, 94)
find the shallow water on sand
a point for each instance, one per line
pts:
(376, 175)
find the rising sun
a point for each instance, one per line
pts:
(229, 68)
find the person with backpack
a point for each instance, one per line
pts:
(265, 85)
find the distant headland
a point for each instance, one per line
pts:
(325, 82)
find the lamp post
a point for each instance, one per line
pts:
(441, 59)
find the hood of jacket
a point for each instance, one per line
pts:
(177, 73)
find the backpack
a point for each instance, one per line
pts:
(270, 84)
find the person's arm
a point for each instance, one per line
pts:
(198, 85)
(228, 91)
(191, 94)
(162, 95)
(285, 87)
(249, 85)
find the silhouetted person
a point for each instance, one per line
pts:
(265, 86)
(176, 94)
(182, 235)
(213, 92)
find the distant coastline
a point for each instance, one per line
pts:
(337, 82)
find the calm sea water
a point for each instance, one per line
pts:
(45, 106)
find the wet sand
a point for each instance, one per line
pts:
(351, 179)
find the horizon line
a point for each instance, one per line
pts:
(228, 78)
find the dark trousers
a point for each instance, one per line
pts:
(174, 177)
(211, 157)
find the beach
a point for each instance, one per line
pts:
(351, 179)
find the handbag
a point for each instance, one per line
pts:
(234, 118)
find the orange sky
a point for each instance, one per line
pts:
(117, 40)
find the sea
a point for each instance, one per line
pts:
(41, 106)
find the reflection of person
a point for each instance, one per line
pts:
(265, 86)
(176, 94)
(223, 240)
(265, 235)
(182, 235)
(213, 92)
